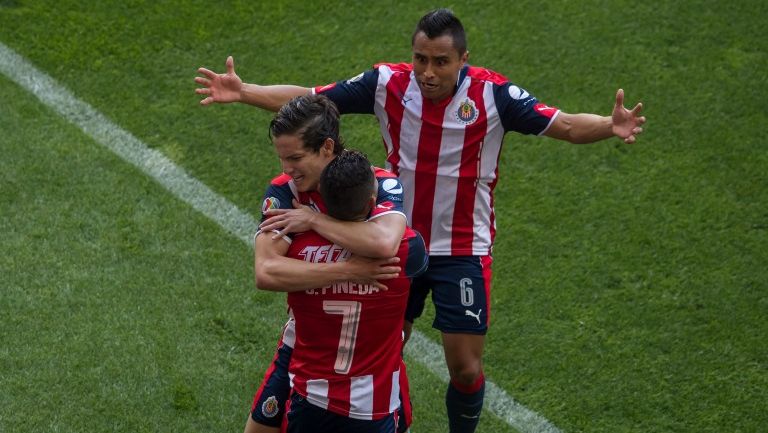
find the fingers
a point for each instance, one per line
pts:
(207, 72)
(230, 65)
(638, 108)
(381, 286)
(203, 81)
(207, 101)
(279, 234)
(620, 98)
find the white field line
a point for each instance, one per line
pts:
(222, 211)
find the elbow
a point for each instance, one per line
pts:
(264, 279)
(387, 249)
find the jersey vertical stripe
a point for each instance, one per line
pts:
(463, 226)
(427, 163)
(435, 148)
(391, 117)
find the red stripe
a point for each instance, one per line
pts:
(382, 387)
(394, 108)
(470, 389)
(338, 394)
(469, 173)
(487, 75)
(427, 159)
(485, 263)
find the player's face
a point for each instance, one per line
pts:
(436, 64)
(302, 164)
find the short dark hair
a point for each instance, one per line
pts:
(314, 118)
(440, 22)
(346, 185)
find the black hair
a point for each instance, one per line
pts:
(440, 22)
(314, 118)
(346, 186)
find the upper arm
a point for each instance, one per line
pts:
(522, 112)
(266, 252)
(391, 227)
(560, 128)
(355, 95)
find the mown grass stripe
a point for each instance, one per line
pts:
(221, 210)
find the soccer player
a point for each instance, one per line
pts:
(305, 133)
(442, 122)
(346, 362)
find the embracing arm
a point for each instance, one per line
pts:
(588, 128)
(377, 238)
(228, 87)
(276, 272)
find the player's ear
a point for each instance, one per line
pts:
(328, 146)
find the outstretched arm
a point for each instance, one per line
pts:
(588, 128)
(228, 87)
(275, 272)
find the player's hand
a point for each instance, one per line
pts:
(289, 220)
(626, 123)
(220, 88)
(369, 271)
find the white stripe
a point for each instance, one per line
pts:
(361, 397)
(394, 393)
(317, 392)
(497, 401)
(226, 214)
(126, 146)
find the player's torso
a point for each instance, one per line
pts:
(347, 336)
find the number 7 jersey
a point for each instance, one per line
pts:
(347, 351)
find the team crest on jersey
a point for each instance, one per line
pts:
(467, 112)
(270, 407)
(270, 203)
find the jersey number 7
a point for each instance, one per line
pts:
(350, 318)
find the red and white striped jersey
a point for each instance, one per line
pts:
(348, 337)
(446, 154)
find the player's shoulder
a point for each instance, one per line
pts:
(280, 180)
(383, 173)
(485, 74)
(389, 184)
(395, 67)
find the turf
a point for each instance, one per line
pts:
(629, 281)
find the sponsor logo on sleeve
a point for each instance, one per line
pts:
(517, 93)
(270, 203)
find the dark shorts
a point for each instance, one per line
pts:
(304, 417)
(461, 292)
(269, 402)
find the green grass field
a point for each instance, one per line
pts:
(630, 282)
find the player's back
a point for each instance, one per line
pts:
(349, 336)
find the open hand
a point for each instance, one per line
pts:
(626, 123)
(221, 88)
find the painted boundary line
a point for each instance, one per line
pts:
(222, 211)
